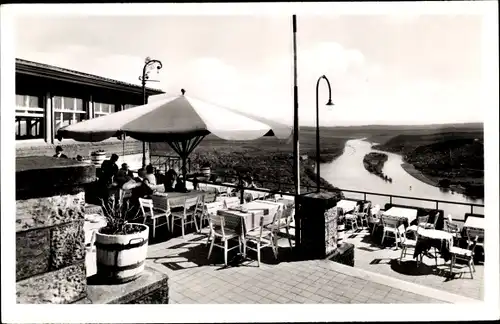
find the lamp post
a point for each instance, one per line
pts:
(149, 65)
(329, 103)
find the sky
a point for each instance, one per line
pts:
(383, 69)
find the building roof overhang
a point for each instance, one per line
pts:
(65, 75)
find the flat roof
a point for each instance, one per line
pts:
(24, 65)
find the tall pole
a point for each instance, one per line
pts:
(144, 78)
(296, 147)
(144, 101)
(329, 103)
(318, 160)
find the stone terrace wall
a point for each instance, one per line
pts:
(130, 153)
(50, 252)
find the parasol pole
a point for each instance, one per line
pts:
(296, 148)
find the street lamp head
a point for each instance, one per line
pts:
(329, 103)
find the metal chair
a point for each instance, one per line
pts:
(187, 212)
(262, 237)
(375, 218)
(219, 231)
(421, 222)
(432, 225)
(149, 211)
(466, 255)
(352, 218)
(363, 215)
(390, 224)
(211, 210)
(406, 243)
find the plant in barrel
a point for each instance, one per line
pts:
(121, 246)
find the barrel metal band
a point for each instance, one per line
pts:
(119, 247)
(113, 268)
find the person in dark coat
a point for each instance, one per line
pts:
(109, 169)
(59, 153)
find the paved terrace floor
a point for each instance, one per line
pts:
(194, 279)
(371, 256)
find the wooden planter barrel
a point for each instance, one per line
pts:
(121, 258)
(98, 157)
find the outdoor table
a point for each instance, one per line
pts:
(432, 238)
(407, 215)
(475, 222)
(93, 222)
(243, 222)
(347, 205)
(175, 199)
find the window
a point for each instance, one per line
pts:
(68, 111)
(102, 109)
(128, 106)
(29, 117)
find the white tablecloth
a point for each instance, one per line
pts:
(408, 213)
(435, 234)
(347, 205)
(475, 222)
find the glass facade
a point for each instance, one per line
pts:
(68, 111)
(29, 117)
(103, 109)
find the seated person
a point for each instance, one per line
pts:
(180, 186)
(123, 175)
(150, 175)
(170, 180)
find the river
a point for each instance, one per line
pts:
(348, 172)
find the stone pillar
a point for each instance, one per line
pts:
(90, 107)
(319, 224)
(50, 251)
(49, 119)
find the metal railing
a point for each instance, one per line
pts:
(310, 188)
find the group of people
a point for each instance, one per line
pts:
(112, 180)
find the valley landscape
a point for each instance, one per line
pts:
(449, 156)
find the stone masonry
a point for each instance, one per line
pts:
(50, 251)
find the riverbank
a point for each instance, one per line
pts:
(410, 169)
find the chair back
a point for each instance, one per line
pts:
(189, 202)
(390, 221)
(146, 203)
(213, 207)
(209, 197)
(279, 219)
(217, 221)
(231, 202)
(402, 233)
(366, 208)
(289, 214)
(450, 227)
(422, 220)
(475, 233)
(435, 220)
